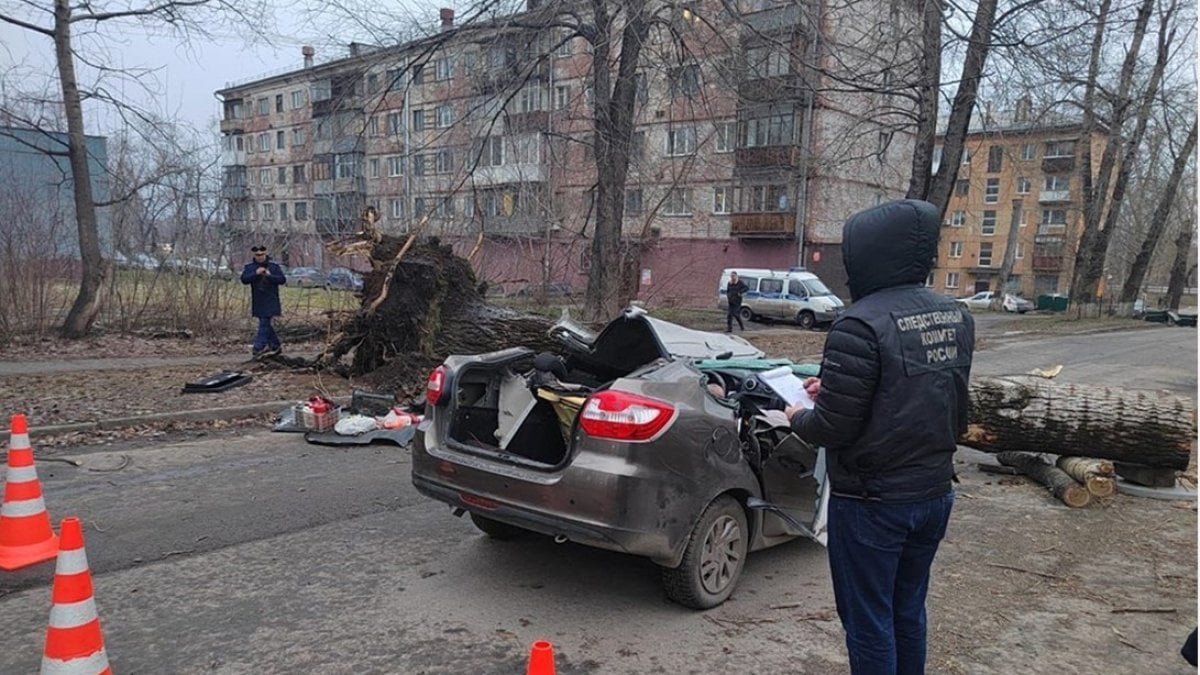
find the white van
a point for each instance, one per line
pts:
(783, 295)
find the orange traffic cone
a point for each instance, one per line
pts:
(74, 645)
(25, 534)
(541, 659)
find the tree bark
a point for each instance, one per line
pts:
(1143, 427)
(1062, 486)
(1010, 255)
(1094, 474)
(927, 100)
(90, 298)
(1179, 268)
(1099, 201)
(1158, 222)
(964, 105)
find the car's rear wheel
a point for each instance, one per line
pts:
(806, 320)
(714, 558)
(746, 314)
(496, 529)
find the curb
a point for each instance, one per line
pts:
(200, 415)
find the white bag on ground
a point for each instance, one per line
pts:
(355, 425)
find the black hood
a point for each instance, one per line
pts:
(892, 244)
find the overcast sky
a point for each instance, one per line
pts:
(186, 73)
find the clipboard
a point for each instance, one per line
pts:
(790, 388)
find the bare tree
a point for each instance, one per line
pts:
(60, 26)
(1180, 271)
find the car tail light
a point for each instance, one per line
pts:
(436, 385)
(621, 416)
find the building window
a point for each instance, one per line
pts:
(264, 142)
(299, 136)
(991, 193)
(281, 176)
(562, 94)
(1029, 151)
(345, 166)
(967, 155)
(264, 106)
(566, 46)
(268, 211)
(264, 177)
(769, 130)
(491, 152)
(637, 146)
(445, 116)
(373, 168)
(395, 123)
(768, 61)
(956, 249)
(995, 158)
(763, 199)
(1055, 149)
(1023, 185)
(951, 279)
(633, 202)
(962, 187)
(283, 209)
(988, 226)
(418, 122)
(298, 177)
(300, 211)
(395, 166)
(985, 254)
(722, 200)
(297, 99)
(418, 207)
(396, 208)
(1057, 183)
(419, 163)
(725, 136)
(372, 83)
(1054, 220)
(681, 141)
(280, 140)
(279, 109)
(418, 73)
(529, 99)
(445, 161)
(679, 202)
(1018, 252)
(443, 68)
(684, 80)
(958, 219)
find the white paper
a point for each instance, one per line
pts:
(790, 388)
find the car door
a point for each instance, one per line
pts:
(795, 491)
(770, 302)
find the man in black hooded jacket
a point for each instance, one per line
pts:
(891, 403)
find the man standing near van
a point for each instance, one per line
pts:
(891, 403)
(734, 290)
(264, 277)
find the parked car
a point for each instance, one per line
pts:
(648, 438)
(1015, 303)
(143, 261)
(981, 300)
(782, 295)
(344, 278)
(306, 277)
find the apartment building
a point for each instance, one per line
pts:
(744, 153)
(1025, 174)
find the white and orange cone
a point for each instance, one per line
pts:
(74, 644)
(25, 534)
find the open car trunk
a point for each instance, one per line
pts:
(521, 407)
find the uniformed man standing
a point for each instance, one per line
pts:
(891, 402)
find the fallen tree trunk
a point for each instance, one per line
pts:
(1141, 427)
(1095, 474)
(1059, 483)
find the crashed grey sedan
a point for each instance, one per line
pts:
(648, 438)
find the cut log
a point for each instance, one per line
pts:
(1143, 427)
(1088, 472)
(1057, 481)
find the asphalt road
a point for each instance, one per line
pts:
(259, 553)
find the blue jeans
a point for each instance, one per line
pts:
(879, 556)
(266, 336)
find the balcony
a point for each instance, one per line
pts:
(771, 155)
(773, 20)
(1054, 196)
(515, 225)
(520, 123)
(235, 192)
(789, 87)
(491, 81)
(233, 126)
(1047, 263)
(763, 225)
(509, 174)
(1056, 231)
(1060, 164)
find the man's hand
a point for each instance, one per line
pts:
(792, 410)
(263, 271)
(813, 386)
